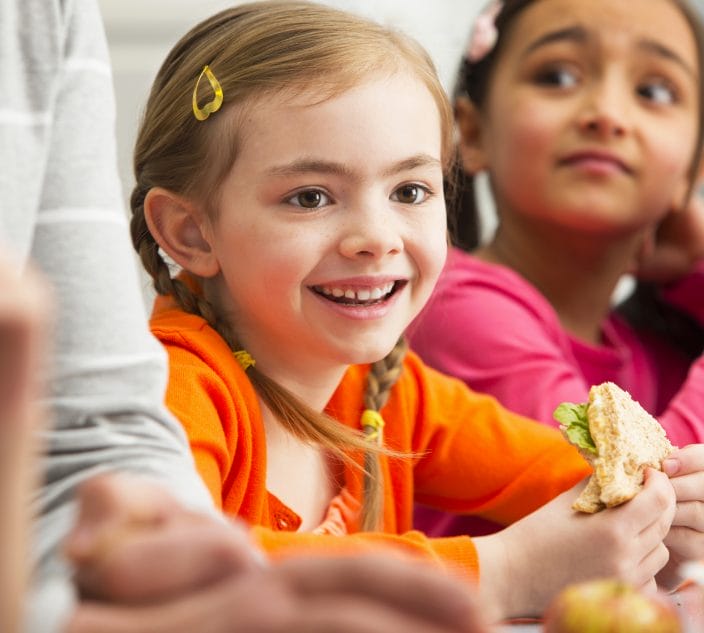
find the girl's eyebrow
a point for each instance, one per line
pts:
(313, 165)
(579, 34)
(573, 33)
(667, 53)
(419, 160)
(309, 165)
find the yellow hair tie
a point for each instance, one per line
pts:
(244, 359)
(373, 420)
(212, 106)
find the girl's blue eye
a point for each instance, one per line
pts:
(309, 199)
(557, 77)
(657, 92)
(410, 194)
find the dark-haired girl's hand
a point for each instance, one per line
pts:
(685, 540)
(676, 246)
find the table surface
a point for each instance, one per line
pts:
(688, 601)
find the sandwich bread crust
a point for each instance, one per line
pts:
(628, 440)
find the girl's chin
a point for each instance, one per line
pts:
(371, 354)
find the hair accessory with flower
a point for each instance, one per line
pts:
(484, 33)
(213, 105)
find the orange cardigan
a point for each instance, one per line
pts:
(476, 457)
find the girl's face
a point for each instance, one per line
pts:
(592, 114)
(331, 228)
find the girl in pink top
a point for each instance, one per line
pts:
(588, 119)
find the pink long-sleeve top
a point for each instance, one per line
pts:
(488, 326)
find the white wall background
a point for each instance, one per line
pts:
(141, 32)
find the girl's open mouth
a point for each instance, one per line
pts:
(359, 296)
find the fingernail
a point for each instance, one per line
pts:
(671, 467)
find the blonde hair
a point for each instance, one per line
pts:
(255, 50)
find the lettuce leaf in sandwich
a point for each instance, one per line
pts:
(575, 425)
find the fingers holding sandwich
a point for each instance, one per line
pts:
(685, 468)
(645, 520)
(625, 446)
(657, 501)
(685, 541)
(625, 542)
(653, 509)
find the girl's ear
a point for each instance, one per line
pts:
(468, 123)
(178, 228)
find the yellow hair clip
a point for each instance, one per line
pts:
(212, 106)
(373, 420)
(244, 359)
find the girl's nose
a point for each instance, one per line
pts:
(371, 234)
(603, 125)
(605, 111)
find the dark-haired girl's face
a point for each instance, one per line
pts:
(592, 113)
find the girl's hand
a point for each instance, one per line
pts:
(676, 246)
(525, 565)
(685, 539)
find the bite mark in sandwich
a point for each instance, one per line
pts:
(618, 438)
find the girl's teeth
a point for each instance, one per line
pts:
(362, 295)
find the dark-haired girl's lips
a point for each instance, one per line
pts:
(596, 162)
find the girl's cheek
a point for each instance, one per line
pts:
(675, 160)
(533, 130)
(437, 254)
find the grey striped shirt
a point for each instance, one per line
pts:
(61, 207)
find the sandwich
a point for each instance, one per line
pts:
(618, 438)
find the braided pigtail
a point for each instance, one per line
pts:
(381, 378)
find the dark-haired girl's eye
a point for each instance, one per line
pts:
(559, 77)
(657, 91)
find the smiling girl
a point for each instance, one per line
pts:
(291, 163)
